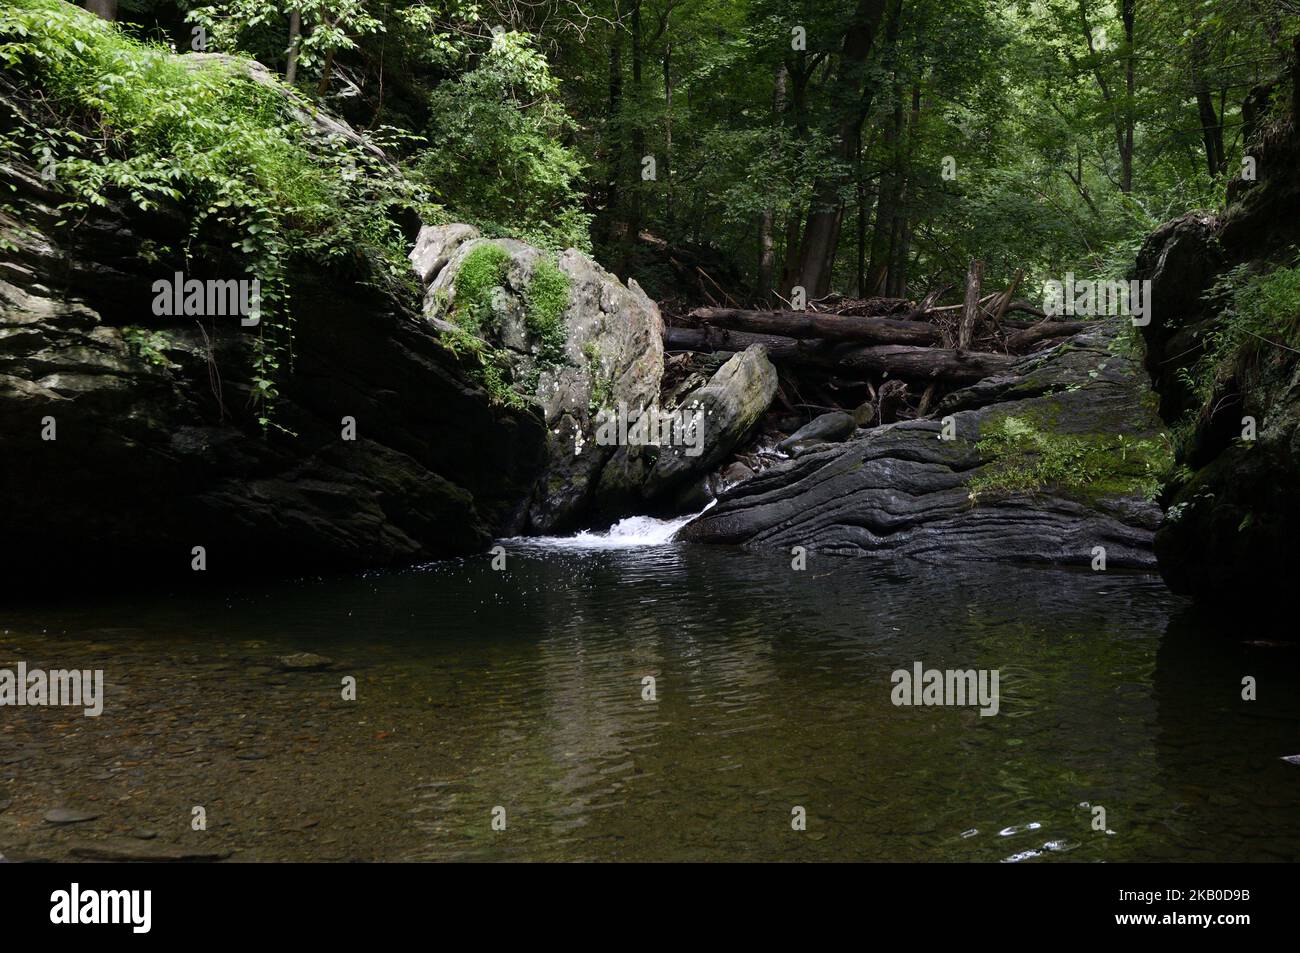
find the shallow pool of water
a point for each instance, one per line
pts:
(524, 690)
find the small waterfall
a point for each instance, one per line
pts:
(632, 532)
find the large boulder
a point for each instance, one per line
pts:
(1231, 530)
(1181, 260)
(1044, 464)
(562, 335)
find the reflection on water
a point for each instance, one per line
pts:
(524, 689)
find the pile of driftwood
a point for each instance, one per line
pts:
(841, 351)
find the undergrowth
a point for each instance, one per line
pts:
(116, 119)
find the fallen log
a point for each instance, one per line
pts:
(925, 363)
(1044, 330)
(779, 349)
(1027, 307)
(828, 327)
(927, 303)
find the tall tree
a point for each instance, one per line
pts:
(850, 94)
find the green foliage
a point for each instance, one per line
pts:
(1024, 457)
(546, 297)
(150, 345)
(602, 383)
(495, 149)
(545, 300)
(1257, 312)
(262, 26)
(491, 367)
(133, 121)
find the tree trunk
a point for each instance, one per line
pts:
(970, 311)
(779, 349)
(638, 194)
(668, 130)
(766, 242)
(1126, 149)
(925, 363)
(902, 239)
(1043, 331)
(861, 227)
(886, 205)
(1211, 125)
(1121, 114)
(295, 37)
(851, 100)
(103, 8)
(327, 68)
(614, 231)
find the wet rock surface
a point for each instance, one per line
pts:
(828, 428)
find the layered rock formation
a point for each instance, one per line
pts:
(1045, 464)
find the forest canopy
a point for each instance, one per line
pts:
(869, 147)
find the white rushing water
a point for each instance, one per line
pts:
(629, 533)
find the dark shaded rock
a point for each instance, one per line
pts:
(1181, 260)
(1231, 527)
(901, 490)
(696, 495)
(736, 472)
(828, 428)
(891, 399)
(155, 457)
(304, 662)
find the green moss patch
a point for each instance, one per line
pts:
(1025, 457)
(545, 300)
(483, 269)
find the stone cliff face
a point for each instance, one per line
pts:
(1044, 465)
(156, 449)
(1232, 525)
